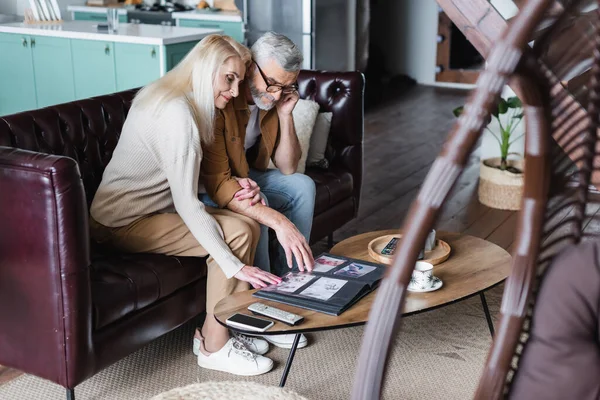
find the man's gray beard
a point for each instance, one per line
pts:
(258, 96)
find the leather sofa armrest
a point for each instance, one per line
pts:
(341, 93)
(45, 297)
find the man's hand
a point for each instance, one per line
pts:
(294, 243)
(286, 103)
(256, 277)
(250, 190)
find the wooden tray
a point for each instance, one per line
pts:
(438, 255)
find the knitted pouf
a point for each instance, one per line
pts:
(228, 391)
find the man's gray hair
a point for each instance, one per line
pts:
(280, 48)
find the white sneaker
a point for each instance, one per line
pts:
(286, 341)
(234, 358)
(254, 344)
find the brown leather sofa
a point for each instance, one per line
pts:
(68, 308)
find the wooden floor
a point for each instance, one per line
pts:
(402, 139)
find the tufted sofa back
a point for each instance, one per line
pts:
(342, 94)
(88, 130)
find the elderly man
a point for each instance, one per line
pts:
(253, 129)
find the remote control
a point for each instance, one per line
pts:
(389, 248)
(275, 313)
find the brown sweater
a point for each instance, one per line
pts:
(225, 157)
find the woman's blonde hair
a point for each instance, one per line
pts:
(193, 78)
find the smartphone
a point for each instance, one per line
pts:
(249, 323)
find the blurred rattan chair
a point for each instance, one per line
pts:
(548, 47)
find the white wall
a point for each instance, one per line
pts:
(9, 7)
(408, 30)
(417, 27)
(506, 8)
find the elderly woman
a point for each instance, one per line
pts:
(148, 202)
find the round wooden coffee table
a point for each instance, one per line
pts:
(474, 266)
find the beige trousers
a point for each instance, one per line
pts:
(168, 234)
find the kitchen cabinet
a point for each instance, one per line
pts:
(52, 70)
(136, 65)
(175, 53)
(93, 68)
(17, 85)
(230, 28)
(38, 72)
(42, 66)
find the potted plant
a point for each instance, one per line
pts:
(501, 178)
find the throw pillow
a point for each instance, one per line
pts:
(318, 141)
(305, 115)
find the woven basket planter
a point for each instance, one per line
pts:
(500, 189)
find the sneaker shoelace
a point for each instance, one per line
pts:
(246, 340)
(239, 348)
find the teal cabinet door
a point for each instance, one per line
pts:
(92, 16)
(17, 83)
(136, 65)
(174, 53)
(230, 28)
(53, 70)
(93, 68)
(89, 16)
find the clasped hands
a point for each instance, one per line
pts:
(250, 190)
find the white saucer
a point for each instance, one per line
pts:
(437, 283)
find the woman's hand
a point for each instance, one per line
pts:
(256, 277)
(250, 190)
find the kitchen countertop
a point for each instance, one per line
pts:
(99, 10)
(231, 16)
(127, 33)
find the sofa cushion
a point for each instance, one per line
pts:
(305, 114)
(333, 186)
(124, 283)
(318, 141)
(561, 359)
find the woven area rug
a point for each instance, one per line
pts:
(438, 355)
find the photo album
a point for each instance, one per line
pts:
(334, 284)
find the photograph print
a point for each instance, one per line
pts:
(355, 270)
(292, 282)
(324, 264)
(323, 288)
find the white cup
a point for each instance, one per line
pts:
(422, 276)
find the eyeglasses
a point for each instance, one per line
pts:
(274, 88)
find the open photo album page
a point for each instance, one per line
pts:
(330, 274)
